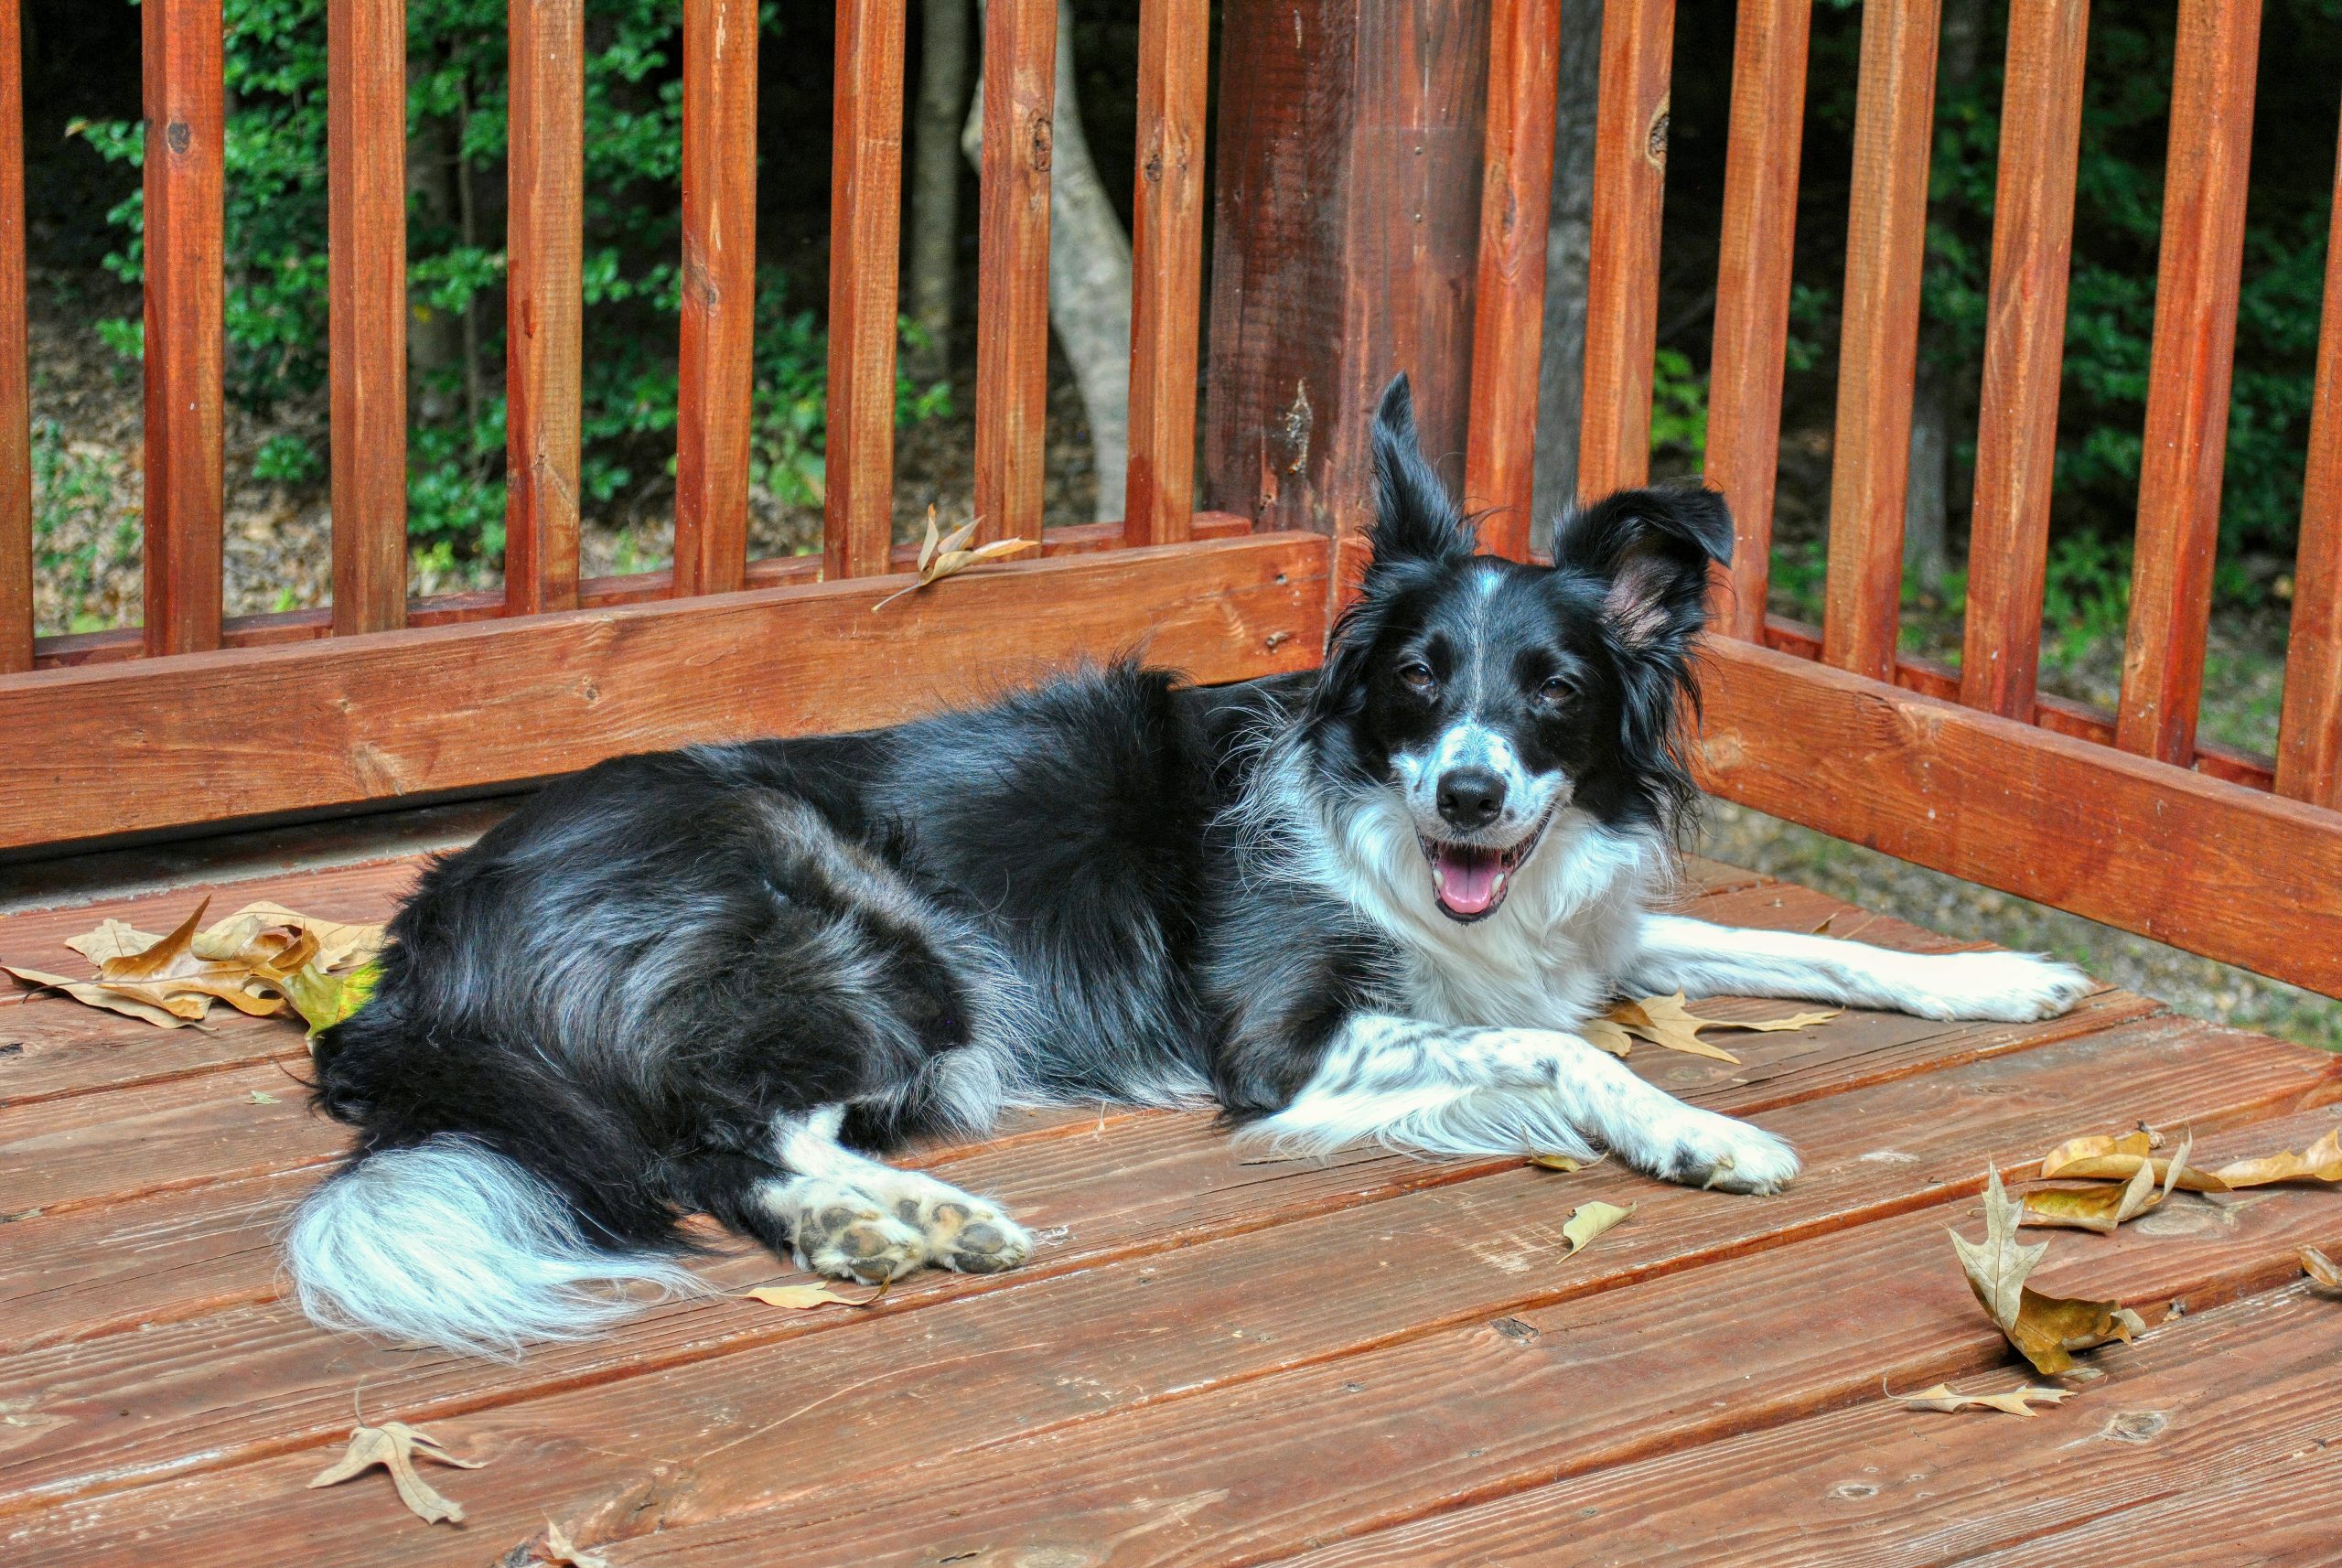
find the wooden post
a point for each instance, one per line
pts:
(544, 305)
(715, 363)
(1348, 216)
(15, 431)
(866, 196)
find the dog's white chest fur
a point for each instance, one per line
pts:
(1547, 956)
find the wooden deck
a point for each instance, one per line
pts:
(1211, 1361)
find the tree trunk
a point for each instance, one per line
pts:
(1926, 501)
(435, 342)
(1089, 276)
(1569, 237)
(931, 270)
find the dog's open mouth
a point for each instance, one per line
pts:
(1471, 880)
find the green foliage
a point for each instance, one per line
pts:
(79, 522)
(457, 100)
(1678, 409)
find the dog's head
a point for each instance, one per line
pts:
(1490, 696)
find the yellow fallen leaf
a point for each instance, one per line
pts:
(803, 1298)
(2118, 1158)
(2016, 1402)
(1588, 1220)
(2320, 1267)
(941, 557)
(1668, 1021)
(559, 1548)
(2046, 1329)
(1604, 1033)
(2106, 1208)
(394, 1445)
(2322, 1161)
(324, 1000)
(186, 1010)
(1557, 1162)
(245, 960)
(158, 958)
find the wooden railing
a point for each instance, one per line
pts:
(193, 718)
(2126, 817)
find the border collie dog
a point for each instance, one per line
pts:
(1373, 903)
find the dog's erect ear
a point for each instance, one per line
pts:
(1415, 519)
(1653, 548)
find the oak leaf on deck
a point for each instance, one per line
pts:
(2016, 1402)
(1588, 1220)
(2046, 1329)
(2117, 1158)
(1668, 1021)
(804, 1298)
(557, 1547)
(394, 1445)
(2106, 1208)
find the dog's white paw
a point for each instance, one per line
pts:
(1712, 1151)
(2009, 987)
(964, 1234)
(842, 1231)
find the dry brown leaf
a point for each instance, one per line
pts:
(558, 1548)
(1604, 1034)
(2106, 1208)
(1557, 1162)
(253, 960)
(803, 1298)
(394, 1445)
(2016, 1402)
(2046, 1329)
(941, 557)
(2118, 1158)
(2320, 1267)
(2322, 1161)
(91, 993)
(159, 958)
(1588, 1220)
(1667, 1021)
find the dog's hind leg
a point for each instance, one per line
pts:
(846, 1215)
(1680, 954)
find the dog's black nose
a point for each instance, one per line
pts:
(1470, 798)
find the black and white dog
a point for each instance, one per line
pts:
(1374, 903)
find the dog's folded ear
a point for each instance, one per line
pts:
(1415, 519)
(1652, 547)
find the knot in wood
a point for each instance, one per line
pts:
(1038, 149)
(1655, 146)
(178, 136)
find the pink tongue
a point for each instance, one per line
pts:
(1467, 880)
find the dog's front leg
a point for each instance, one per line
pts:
(1694, 957)
(1445, 1089)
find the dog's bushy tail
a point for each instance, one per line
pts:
(451, 1243)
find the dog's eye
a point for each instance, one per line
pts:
(1418, 676)
(1555, 690)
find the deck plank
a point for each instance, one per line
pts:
(715, 1439)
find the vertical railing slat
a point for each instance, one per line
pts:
(2025, 336)
(1886, 236)
(1013, 266)
(1166, 268)
(1760, 180)
(865, 185)
(1508, 302)
(2309, 731)
(716, 367)
(1622, 261)
(545, 305)
(15, 431)
(366, 155)
(185, 219)
(2189, 370)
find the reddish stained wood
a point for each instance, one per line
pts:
(545, 305)
(715, 368)
(865, 184)
(184, 342)
(1760, 180)
(2025, 336)
(457, 706)
(1509, 300)
(1622, 267)
(1886, 233)
(1013, 267)
(2309, 735)
(1167, 267)
(2189, 375)
(593, 593)
(16, 403)
(366, 155)
(2171, 854)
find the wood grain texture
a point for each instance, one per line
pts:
(366, 159)
(2188, 374)
(545, 305)
(1751, 353)
(1167, 267)
(2167, 853)
(184, 240)
(1886, 233)
(1622, 266)
(865, 216)
(1013, 267)
(1508, 298)
(459, 706)
(718, 351)
(16, 392)
(2309, 731)
(2024, 339)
